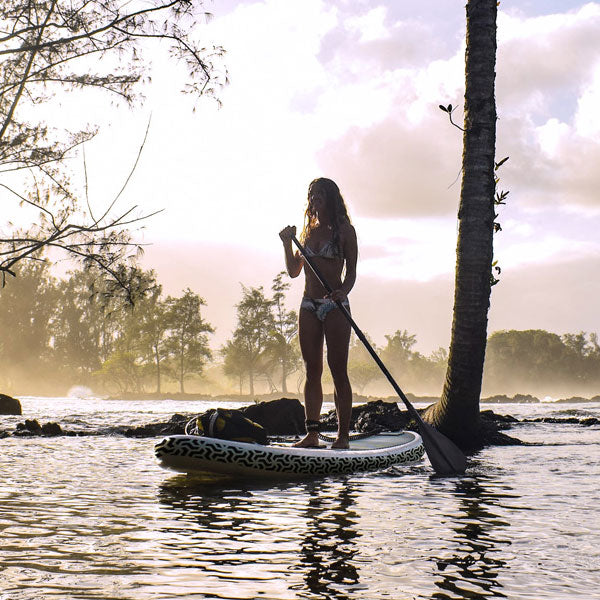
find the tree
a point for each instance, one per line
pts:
(398, 350)
(457, 412)
(52, 45)
(122, 372)
(540, 362)
(25, 311)
(234, 361)
(187, 342)
(362, 370)
(252, 335)
(83, 334)
(152, 326)
(280, 348)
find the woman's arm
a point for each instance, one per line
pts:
(350, 248)
(293, 261)
(351, 256)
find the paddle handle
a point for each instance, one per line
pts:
(361, 336)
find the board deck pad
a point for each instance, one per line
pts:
(194, 454)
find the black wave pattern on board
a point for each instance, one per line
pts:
(207, 449)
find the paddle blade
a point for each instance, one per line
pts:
(445, 456)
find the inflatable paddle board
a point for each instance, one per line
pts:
(200, 454)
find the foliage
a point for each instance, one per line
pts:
(252, 336)
(187, 341)
(539, 362)
(75, 45)
(281, 350)
(26, 311)
(362, 369)
(121, 372)
(58, 333)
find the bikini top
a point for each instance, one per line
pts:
(328, 250)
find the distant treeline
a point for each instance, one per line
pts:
(59, 333)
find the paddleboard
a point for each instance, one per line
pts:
(200, 454)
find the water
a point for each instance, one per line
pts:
(96, 518)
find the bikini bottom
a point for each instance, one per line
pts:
(321, 306)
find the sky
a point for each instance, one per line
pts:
(350, 91)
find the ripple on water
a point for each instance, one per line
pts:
(95, 518)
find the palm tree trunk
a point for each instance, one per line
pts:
(457, 412)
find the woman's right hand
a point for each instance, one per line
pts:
(287, 233)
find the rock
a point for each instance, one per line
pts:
(376, 415)
(284, 416)
(9, 405)
(51, 429)
(174, 426)
(572, 400)
(497, 422)
(32, 427)
(497, 399)
(525, 398)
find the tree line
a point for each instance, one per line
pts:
(62, 332)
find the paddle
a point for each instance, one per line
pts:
(445, 457)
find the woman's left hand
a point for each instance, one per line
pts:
(337, 296)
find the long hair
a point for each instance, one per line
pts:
(336, 208)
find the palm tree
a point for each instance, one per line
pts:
(457, 412)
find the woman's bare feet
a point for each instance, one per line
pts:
(310, 440)
(341, 443)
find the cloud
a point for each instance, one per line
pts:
(548, 88)
(394, 169)
(544, 62)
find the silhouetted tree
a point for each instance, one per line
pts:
(457, 412)
(52, 45)
(251, 336)
(281, 350)
(187, 341)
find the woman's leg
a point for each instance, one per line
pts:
(337, 336)
(310, 333)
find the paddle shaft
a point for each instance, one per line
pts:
(361, 336)
(428, 433)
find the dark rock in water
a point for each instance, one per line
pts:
(32, 427)
(284, 416)
(498, 421)
(572, 400)
(51, 429)
(9, 405)
(497, 399)
(174, 426)
(376, 415)
(525, 398)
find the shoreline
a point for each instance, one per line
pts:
(356, 398)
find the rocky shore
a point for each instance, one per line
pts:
(284, 417)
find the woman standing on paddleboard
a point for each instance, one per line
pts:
(330, 241)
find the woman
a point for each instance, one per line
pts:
(330, 241)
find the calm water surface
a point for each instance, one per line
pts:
(96, 518)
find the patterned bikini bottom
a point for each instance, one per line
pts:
(321, 306)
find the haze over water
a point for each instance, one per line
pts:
(96, 518)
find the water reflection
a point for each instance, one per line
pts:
(472, 570)
(301, 534)
(328, 547)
